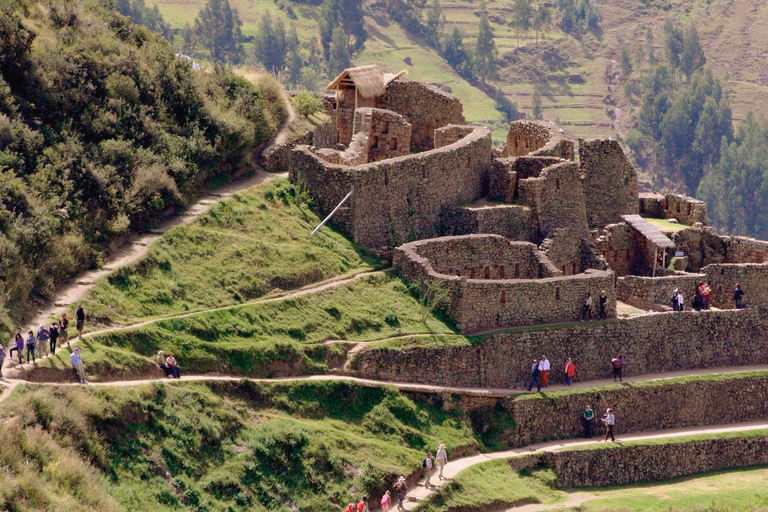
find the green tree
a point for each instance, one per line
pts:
(347, 15)
(626, 63)
(536, 110)
(541, 21)
(187, 39)
(293, 59)
(455, 52)
(522, 14)
(649, 41)
(313, 71)
(673, 43)
(435, 22)
(486, 53)
(217, 28)
(692, 56)
(340, 56)
(270, 43)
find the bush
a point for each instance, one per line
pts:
(307, 104)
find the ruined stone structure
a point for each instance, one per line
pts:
(610, 181)
(685, 210)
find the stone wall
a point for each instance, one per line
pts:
(450, 134)
(424, 106)
(652, 343)
(508, 220)
(644, 292)
(387, 134)
(616, 464)
(495, 283)
(506, 172)
(626, 251)
(277, 157)
(703, 246)
(526, 136)
(572, 252)
(398, 199)
(345, 116)
(686, 210)
(722, 278)
(643, 407)
(557, 199)
(610, 181)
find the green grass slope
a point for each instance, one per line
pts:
(221, 446)
(243, 248)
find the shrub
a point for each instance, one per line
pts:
(307, 104)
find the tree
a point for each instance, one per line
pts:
(536, 111)
(270, 44)
(293, 60)
(307, 104)
(673, 43)
(541, 21)
(313, 72)
(435, 22)
(347, 15)
(455, 53)
(187, 39)
(522, 12)
(626, 63)
(217, 28)
(486, 53)
(340, 58)
(692, 56)
(649, 41)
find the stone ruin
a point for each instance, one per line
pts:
(417, 172)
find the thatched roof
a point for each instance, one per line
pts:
(649, 231)
(370, 81)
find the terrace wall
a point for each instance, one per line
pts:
(644, 292)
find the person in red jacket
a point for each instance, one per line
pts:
(569, 370)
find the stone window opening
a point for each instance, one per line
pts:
(374, 142)
(386, 178)
(517, 270)
(385, 127)
(487, 273)
(557, 293)
(557, 184)
(424, 171)
(472, 273)
(502, 273)
(393, 144)
(503, 297)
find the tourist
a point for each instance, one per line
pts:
(535, 376)
(54, 331)
(675, 305)
(162, 365)
(77, 365)
(173, 367)
(697, 303)
(618, 367)
(63, 325)
(588, 421)
(680, 301)
(43, 335)
(544, 367)
(30, 345)
(609, 421)
(386, 502)
(441, 459)
(400, 488)
(80, 317)
(362, 505)
(738, 296)
(569, 370)
(427, 464)
(700, 292)
(603, 303)
(586, 309)
(707, 296)
(18, 346)
(2, 360)
(350, 507)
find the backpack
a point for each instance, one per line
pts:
(424, 463)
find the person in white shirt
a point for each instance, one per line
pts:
(586, 308)
(441, 459)
(680, 301)
(427, 469)
(609, 420)
(544, 370)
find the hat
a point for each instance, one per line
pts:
(442, 446)
(77, 349)
(609, 409)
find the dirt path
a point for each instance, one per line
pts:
(574, 500)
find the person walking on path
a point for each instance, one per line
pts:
(362, 505)
(18, 346)
(2, 360)
(586, 309)
(441, 459)
(54, 331)
(63, 325)
(428, 465)
(544, 367)
(588, 421)
(603, 302)
(535, 376)
(386, 502)
(674, 299)
(400, 488)
(738, 297)
(43, 335)
(569, 370)
(680, 301)
(173, 366)
(80, 317)
(618, 367)
(77, 365)
(350, 507)
(610, 420)
(162, 365)
(31, 345)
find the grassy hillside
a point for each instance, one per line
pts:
(221, 446)
(102, 131)
(242, 249)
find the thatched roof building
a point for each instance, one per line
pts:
(369, 82)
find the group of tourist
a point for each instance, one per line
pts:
(46, 340)
(588, 422)
(541, 367)
(588, 304)
(702, 297)
(169, 365)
